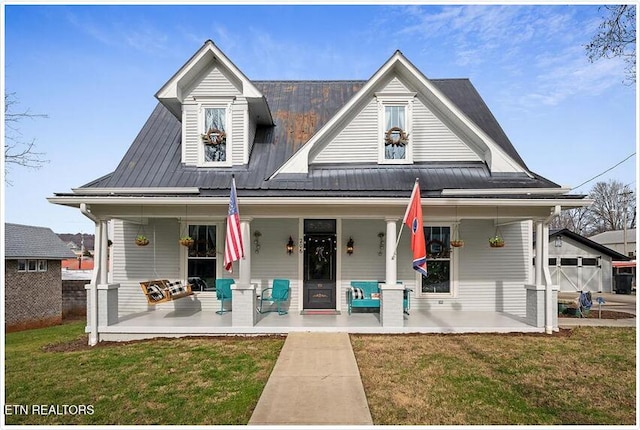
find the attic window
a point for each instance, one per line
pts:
(214, 138)
(394, 125)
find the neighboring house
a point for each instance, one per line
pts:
(319, 165)
(620, 241)
(580, 264)
(33, 283)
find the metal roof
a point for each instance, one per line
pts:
(300, 109)
(25, 241)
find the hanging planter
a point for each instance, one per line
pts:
(141, 240)
(186, 241)
(496, 242)
(457, 243)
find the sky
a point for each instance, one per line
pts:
(94, 70)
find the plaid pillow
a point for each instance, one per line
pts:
(176, 288)
(155, 293)
(357, 293)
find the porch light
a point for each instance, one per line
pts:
(290, 246)
(350, 246)
(256, 241)
(558, 241)
(381, 246)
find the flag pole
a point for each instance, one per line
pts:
(395, 250)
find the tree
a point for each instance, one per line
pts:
(614, 206)
(17, 151)
(616, 37)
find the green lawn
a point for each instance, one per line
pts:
(588, 377)
(166, 381)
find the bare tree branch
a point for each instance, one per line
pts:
(17, 151)
(616, 37)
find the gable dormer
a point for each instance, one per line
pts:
(401, 117)
(219, 109)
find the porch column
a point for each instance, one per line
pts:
(391, 293)
(548, 291)
(536, 303)
(243, 296)
(107, 293)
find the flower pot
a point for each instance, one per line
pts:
(186, 242)
(457, 243)
(496, 244)
(142, 241)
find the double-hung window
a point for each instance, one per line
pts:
(215, 146)
(395, 111)
(439, 277)
(202, 257)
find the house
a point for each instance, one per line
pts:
(622, 241)
(33, 283)
(324, 171)
(580, 264)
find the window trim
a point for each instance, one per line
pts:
(25, 265)
(395, 99)
(453, 268)
(217, 104)
(184, 252)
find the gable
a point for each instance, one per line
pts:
(213, 80)
(359, 140)
(400, 75)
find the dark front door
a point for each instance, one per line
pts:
(319, 265)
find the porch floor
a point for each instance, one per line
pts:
(176, 323)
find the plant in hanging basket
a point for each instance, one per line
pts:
(186, 241)
(457, 243)
(496, 242)
(141, 240)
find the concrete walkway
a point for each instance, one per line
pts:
(315, 381)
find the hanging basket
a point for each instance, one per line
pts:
(457, 243)
(142, 240)
(186, 241)
(496, 242)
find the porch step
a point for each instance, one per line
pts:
(319, 312)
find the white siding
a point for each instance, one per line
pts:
(215, 83)
(133, 264)
(192, 134)
(356, 142)
(273, 261)
(238, 134)
(434, 141)
(395, 86)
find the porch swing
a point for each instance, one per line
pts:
(162, 290)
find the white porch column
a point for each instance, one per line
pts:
(391, 310)
(92, 288)
(548, 291)
(243, 296)
(536, 302)
(391, 263)
(539, 257)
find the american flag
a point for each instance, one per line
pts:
(233, 249)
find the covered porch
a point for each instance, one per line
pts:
(179, 323)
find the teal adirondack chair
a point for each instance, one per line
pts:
(278, 293)
(223, 293)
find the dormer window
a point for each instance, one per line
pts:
(215, 142)
(394, 124)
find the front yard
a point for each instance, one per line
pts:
(583, 376)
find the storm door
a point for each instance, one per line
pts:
(319, 287)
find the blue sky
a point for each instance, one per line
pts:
(94, 71)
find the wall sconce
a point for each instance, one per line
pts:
(256, 241)
(300, 246)
(381, 246)
(558, 241)
(350, 246)
(290, 246)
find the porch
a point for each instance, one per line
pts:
(185, 322)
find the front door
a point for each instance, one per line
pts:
(319, 285)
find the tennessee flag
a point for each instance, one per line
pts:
(413, 220)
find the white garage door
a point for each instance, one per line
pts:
(577, 273)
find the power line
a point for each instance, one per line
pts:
(608, 170)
